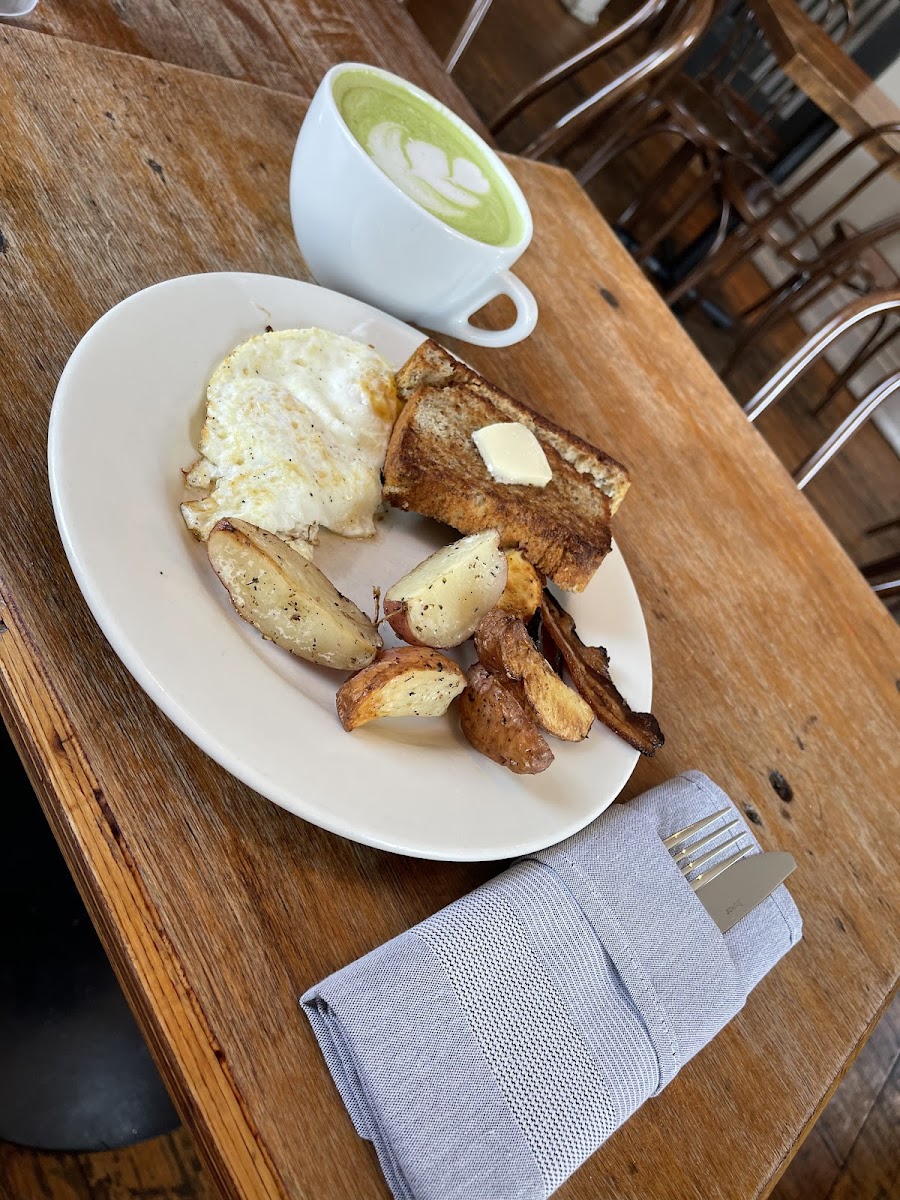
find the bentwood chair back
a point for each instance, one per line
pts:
(661, 34)
(863, 309)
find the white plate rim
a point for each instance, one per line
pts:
(195, 729)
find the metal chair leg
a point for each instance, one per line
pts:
(847, 428)
(864, 355)
(465, 33)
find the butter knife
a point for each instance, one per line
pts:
(747, 883)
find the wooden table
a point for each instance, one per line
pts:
(217, 908)
(827, 74)
(280, 44)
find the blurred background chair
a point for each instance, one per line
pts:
(661, 34)
(728, 102)
(812, 246)
(738, 75)
(700, 79)
(865, 308)
(884, 573)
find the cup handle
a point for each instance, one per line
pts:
(504, 283)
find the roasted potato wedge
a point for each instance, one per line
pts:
(409, 681)
(504, 647)
(496, 723)
(288, 599)
(440, 602)
(524, 586)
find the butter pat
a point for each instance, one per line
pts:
(513, 454)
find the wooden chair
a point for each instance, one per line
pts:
(744, 79)
(699, 170)
(668, 31)
(724, 120)
(863, 309)
(884, 573)
(820, 253)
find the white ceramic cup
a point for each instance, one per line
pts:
(360, 234)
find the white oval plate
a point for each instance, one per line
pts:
(125, 421)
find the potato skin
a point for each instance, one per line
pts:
(441, 600)
(505, 648)
(495, 722)
(396, 614)
(288, 599)
(407, 681)
(524, 586)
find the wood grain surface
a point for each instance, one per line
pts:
(827, 74)
(164, 1168)
(279, 44)
(852, 1152)
(217, 908)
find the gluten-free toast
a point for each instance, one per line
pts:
(434, 468)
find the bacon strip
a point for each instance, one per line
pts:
(589, 669)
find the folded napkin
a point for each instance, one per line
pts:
(490, 1050)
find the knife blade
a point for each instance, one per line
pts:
(738, 890)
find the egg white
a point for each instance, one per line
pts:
(297, 426)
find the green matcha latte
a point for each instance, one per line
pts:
(428, 157)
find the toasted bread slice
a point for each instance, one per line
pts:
(432, 366)
(433, 467)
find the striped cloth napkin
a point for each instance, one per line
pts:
(487, 1052)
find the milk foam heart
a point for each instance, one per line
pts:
(396, 201)
(428, 157)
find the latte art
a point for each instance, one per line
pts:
(425, 172)
(429, 157)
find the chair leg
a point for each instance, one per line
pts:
(881, 566)
(702, 186)
(864, 355)
(740, 182)
(634, 120)
(780, 306)
(660, 183)
(677, 292)
(715, 264)
(853, 422)
(761, 306)
(883, 526)
(473, 18)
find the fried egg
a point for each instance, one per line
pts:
(297, 426)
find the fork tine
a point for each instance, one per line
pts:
(691, 864)
(678, 855)
(716, 871)
(680, 834)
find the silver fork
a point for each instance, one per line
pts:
(687, 858)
